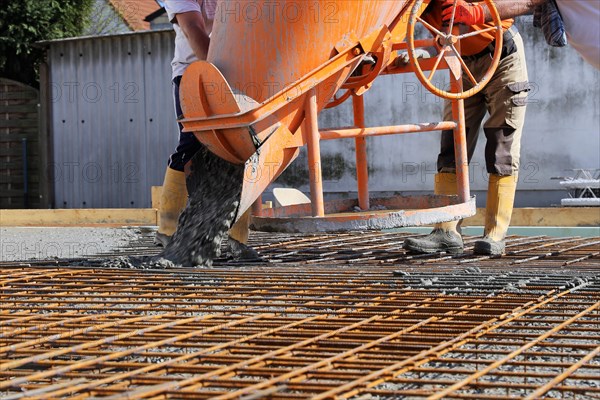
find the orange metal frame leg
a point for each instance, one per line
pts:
(257, 207)
(460, 146)
(461, 157)
(362, 171)
(314, 155)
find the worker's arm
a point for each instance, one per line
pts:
(512, 8)
(195, 30)
(475, 13)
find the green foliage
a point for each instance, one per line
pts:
(24, 22)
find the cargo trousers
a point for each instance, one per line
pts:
(505, 99)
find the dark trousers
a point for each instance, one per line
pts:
(188, 144)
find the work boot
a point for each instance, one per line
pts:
(161, 240)
(238, 237)
(498, 210)
(445, 236)
(173, 199)
(440, 239)
(241, 251)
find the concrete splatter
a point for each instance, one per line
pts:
(215, 188)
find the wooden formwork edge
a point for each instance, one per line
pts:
(80, 217)
(559, 217)
(551, 216)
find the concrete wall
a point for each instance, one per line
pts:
(562, 131)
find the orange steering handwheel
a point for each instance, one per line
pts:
(448, 50)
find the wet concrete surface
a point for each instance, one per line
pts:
(27, 243)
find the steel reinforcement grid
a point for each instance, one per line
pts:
(321, 317)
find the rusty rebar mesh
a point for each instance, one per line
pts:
(324, 316)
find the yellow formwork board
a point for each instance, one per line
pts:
(551, 216)
(79, 217)
(559, 216)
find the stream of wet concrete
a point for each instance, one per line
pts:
(214, 187)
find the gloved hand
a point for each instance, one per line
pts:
(466, 13)
(402, 58)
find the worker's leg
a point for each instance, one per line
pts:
(507, 94)
(173, 199)
(498, 211)
(238, 239)
(446, 236)
(239, 230)
(174, 193)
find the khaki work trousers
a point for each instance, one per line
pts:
(505, 98)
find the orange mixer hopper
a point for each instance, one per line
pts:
(272, 66)
(264, 60)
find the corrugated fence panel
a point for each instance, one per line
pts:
(156, 124)
(113, 125)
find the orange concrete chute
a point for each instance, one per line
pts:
(205, 93)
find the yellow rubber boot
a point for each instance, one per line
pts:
(445, 184)
(445, 236)
(240, 231)
(238, 239)
(172, 202)
(498, 211)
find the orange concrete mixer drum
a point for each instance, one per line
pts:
(263, 59)
(272, 66)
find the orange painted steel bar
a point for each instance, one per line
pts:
(460, 136)
(314, 156)
(564, 375)
(271, 105)
(460, 153)
(257, 206)
(514, 354)
(334, 327)
(343, 133)
(362, 166)
(418, 43)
